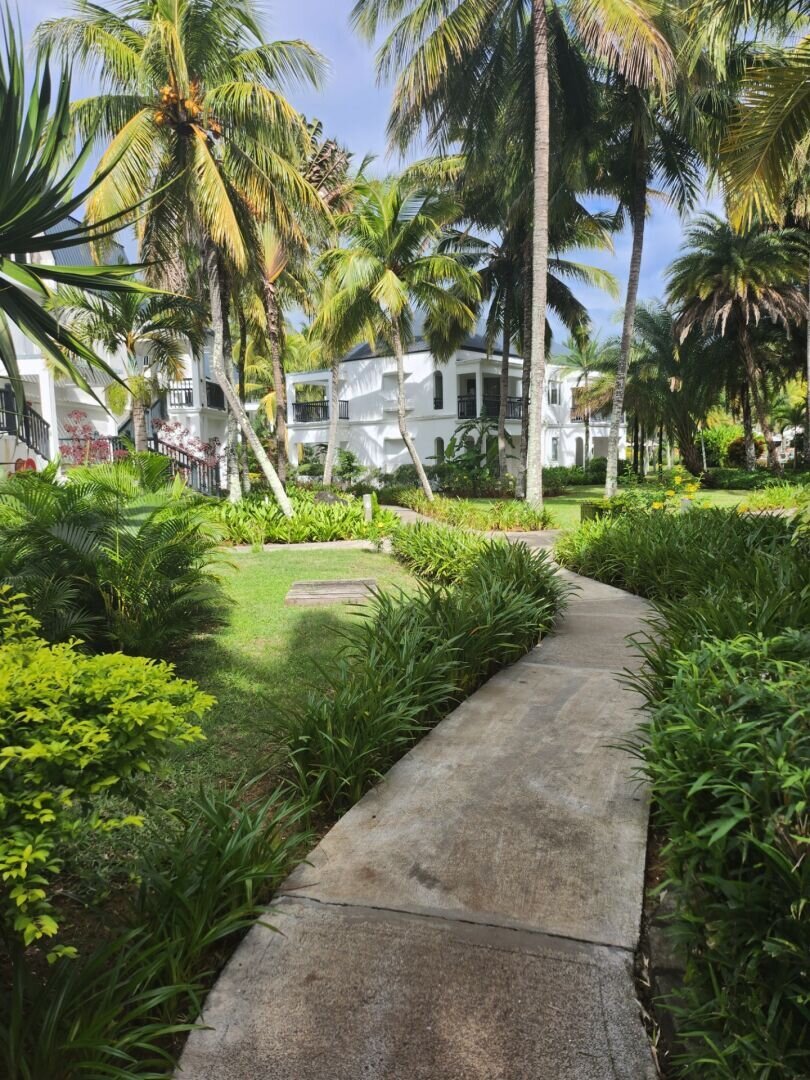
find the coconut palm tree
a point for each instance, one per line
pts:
(388, 271)
(585, 357)
(36, 204)
(452, 73)
(725, 282)
(191, 98)
(153, 333)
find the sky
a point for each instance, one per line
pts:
(354, 109)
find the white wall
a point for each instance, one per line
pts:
(372, 432)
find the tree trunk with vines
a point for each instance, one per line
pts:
(273, 315)
(218, 313)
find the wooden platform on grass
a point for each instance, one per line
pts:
(313, 593)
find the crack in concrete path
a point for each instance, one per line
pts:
(474, 917)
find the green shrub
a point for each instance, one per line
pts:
(506, 516)
(72, 726)
(411, 658)
(736, 479)
(258, 520)
(778, 495)
(437, 552)
(716, 441)
(116, 1011)
(119, 555)
(726, 749)
(735, 450)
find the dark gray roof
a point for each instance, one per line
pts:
(80, 254)
(473, 343)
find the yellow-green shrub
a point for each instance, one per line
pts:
(71, 727)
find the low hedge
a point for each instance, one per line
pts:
(413, 657)
(510, 515)
(258, 520)
(726, 749)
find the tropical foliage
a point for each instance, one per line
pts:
(413, 656)
(119, 555)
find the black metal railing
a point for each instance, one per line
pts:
(27, 426)
(317, 412)
(181, 394)
(199, 475)
(438, 403)
(214, 395)
(489, 407)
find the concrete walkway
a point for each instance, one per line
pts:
(475, 916)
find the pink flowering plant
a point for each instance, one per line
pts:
(84, 445)
(174, 434)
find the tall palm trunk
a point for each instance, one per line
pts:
(396, 341)
(534, 442)
(334, 406)
(504, 385)
(759, 399)
(587, 456)
(526, 372)
(243, 337)
(232, 457)
(214, 273)
(273, 315)
(140, 436)
(748, 431)
(638, 218)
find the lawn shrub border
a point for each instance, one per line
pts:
(412, 657)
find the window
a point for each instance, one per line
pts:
(438, 394)
(554, 392)
(555, 448)
(438, 451)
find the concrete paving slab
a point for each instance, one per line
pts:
(474, 917)
(351, 993)
(588, 640)
(521, 814)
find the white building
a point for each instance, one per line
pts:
(439, 397)
(60, 419)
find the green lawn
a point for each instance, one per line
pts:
(256, 665)
(565, 508)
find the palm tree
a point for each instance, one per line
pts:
(36, 205)
(725, 282)
(583, 358)
(325, 167)
(388, 271)
(770, 129)
(449, 65)
(191, 100)
(152, 332)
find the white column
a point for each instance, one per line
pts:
(47, 397)
(479, 390)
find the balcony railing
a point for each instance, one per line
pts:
(29, 428)
(199, 475)
(181, 394)
(317, 412)
(214, 395)
(489, 407)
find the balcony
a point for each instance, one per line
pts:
(214, 395)
(29, 428)
(489, 407)
(181, 394)
(317, 412)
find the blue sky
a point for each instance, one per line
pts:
(354, 109)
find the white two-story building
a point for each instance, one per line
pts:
(57, 418)
(439, 397)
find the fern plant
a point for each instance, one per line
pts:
(120, 555)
